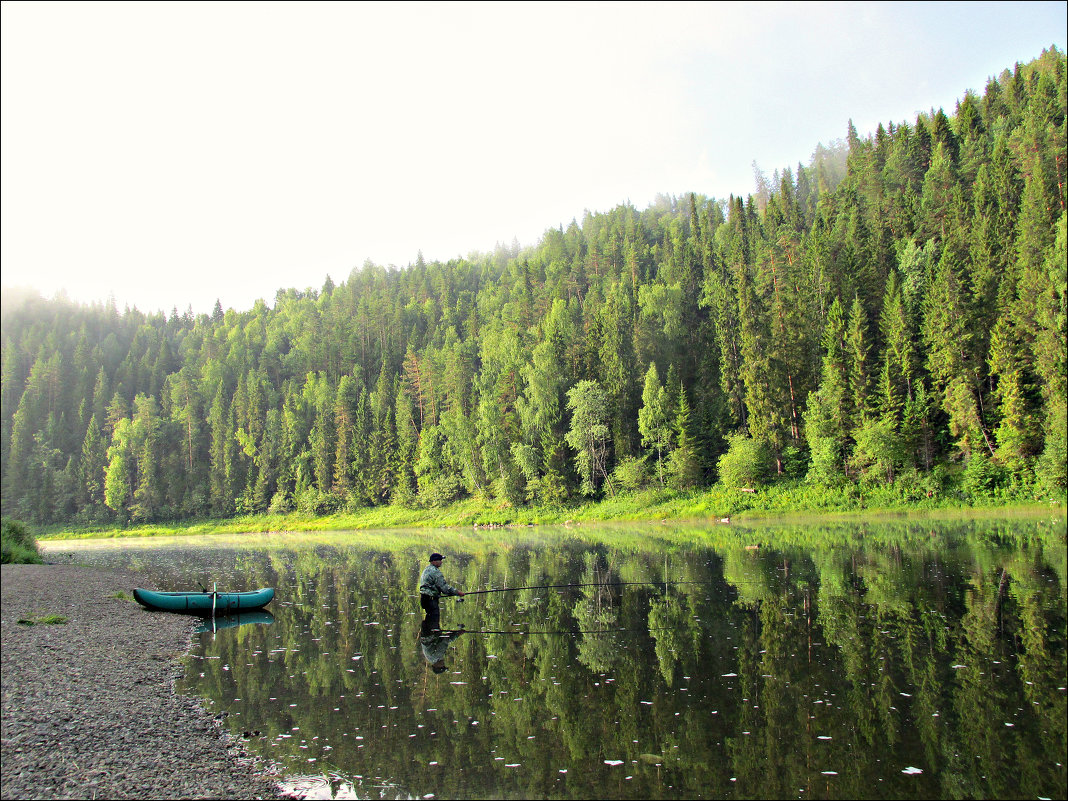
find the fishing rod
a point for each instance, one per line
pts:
(462, 630)
(596, 584)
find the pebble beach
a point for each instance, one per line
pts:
(89, 707)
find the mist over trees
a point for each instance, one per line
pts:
(896, 315)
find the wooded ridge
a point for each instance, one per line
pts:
(892, 311)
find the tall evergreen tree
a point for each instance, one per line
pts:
(653, 421)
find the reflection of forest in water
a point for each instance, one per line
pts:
(878, 661)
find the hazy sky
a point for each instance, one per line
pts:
(169, 154)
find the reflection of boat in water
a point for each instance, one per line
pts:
(240, 619)
(338, 786)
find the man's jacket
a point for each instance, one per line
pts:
(433, 583)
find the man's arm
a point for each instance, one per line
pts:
(448, 589)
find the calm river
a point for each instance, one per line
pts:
(893, 660)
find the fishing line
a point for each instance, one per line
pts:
(597, 584)
(569, 631)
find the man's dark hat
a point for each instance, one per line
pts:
(440, 668)
(435, 556)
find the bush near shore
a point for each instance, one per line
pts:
(18, 544)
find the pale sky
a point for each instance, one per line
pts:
(169, 154)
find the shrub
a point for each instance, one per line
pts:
(281, 503)
(794, 462)
(509, 486)
(915, 486)
(746, 463)
(402, 495)
(683, 469)
(982, 476)
(825, 466)
(18, 544)
(632, 473)
(877, 450)
(550, 489)
(440, 491)
(313, 502)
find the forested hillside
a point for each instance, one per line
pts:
(898, 318)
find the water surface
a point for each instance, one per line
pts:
(833, 661)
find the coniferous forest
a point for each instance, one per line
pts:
(893, 311)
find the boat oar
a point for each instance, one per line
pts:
(214, 595)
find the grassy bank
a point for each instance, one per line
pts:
(18, 544)
(781, 501)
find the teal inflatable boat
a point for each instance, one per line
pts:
(204, 603)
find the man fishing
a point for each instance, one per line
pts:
(432, 586)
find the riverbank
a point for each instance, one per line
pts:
(795, 501)
(89, 708)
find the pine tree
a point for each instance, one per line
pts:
(403, 489)
(827, 418)
(1049, 346)
(539, 453)
(683, 464)
(147, 500)
(653, 419)
(858, 350)
(344, 429)
(321, 438)
(947, 336)
(118, 479)
(498, 425)
(383, 438)
(93, 462)
(220, 491)
(766, 406)
(588, 435)
(897, 337)
(617, 365)
(1016, 434)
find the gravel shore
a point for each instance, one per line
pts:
(89, 708)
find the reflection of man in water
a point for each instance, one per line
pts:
(434, 643)
(432, 586)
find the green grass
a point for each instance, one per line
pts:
(122, 596)
(47, 620)
(781, 501)
(18, 546)
(14, 553)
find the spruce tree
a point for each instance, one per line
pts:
(653, 419)
(683, 464)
